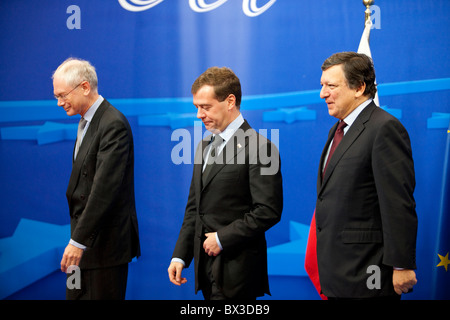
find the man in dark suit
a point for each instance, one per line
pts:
(233, 199)
(366, 222)
(100, 194)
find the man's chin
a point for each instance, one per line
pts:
(211, 128)
(332, 112)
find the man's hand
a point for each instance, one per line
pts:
(403, 280)
(71, 257)
(175, 273)
(210, 244)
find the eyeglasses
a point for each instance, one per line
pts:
(64, 96)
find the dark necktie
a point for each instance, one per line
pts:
(81, 126)
(311, 265)
(215, 142)
(337, 139)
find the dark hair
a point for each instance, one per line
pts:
(358, 69)
(224, 81)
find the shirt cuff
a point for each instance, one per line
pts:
(218, 241)
(178, 260)
(76, 244)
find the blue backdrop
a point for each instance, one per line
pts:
(146, 62)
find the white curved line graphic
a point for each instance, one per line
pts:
(201, 6)
(251, 9)
(138, 5)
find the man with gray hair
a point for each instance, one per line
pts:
(100, 194)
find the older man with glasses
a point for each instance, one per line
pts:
(100, 194)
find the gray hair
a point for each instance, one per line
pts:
(74, 71)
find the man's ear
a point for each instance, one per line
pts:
(360, 91)
(231, 101)
(86, 86)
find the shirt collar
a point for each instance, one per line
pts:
(91, 111)
(232, 127)
(355, 113)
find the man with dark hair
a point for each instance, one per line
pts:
(365, 219)
(233, 199)
(358, 69)
(224, 82)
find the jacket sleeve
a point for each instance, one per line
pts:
(393, 170)
(184, 247)
(265, 183)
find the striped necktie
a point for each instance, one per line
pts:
(216, 141)
(81, 126)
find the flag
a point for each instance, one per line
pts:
(364, 47)
(311, 266)
(441, 274)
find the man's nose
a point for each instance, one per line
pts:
(323, 93)
(200, 113)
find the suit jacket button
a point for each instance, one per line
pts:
(82, 197)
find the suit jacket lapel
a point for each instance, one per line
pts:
(229, 153)
(350, 137)
(87, 140)
(198, 166)
(324, 152)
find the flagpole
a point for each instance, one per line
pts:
(368, 12)
(364, 46)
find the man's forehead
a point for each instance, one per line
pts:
(334, 73)
(59, 84)
(204, 95)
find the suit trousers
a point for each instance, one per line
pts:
(208, 284)
(101, 284)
